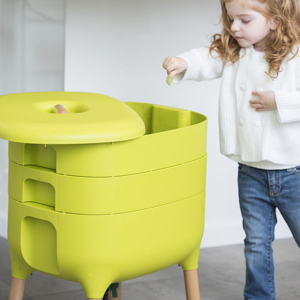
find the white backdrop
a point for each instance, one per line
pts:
(116, 47)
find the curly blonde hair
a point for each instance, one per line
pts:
(280, 42)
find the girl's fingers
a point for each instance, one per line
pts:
(173, 73)
(170, 64)
(255, 104)
(166, 61)
(256, 93)
(174, 65)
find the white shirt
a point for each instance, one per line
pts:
(269, 139)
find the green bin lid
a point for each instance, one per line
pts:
(92, 118)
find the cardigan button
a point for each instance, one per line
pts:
(242, 88)
(257, 123)
(241, 122)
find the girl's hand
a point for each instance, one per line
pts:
(175, 65)
(265, 101)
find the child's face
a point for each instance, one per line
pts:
(248, 26)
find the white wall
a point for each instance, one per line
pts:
(116, 47)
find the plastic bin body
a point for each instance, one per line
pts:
(99, 213)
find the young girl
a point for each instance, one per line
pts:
(257, 57)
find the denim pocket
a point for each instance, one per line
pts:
(295, 170)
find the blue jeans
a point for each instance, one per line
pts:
(260, 193)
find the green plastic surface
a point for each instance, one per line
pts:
(92, 118)
(103, 209)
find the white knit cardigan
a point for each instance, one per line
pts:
(267, 140)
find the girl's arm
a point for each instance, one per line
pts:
(288, 106)
(288, 101)
(196, 64)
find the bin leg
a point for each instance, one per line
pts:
(119, 290)
(192, 285)
(17, 288)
